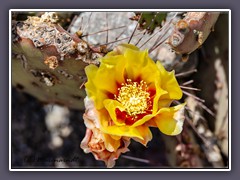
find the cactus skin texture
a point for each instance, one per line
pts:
(191, 31)
(49, 63)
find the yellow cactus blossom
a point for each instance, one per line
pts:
(131, 93)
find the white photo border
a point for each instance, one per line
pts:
(122, 169)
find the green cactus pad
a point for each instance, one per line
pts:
(150, 20)
(49, 63)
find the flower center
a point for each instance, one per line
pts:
(134, 97)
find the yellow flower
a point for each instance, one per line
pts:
(131, 92)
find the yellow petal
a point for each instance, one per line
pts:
(146, 134)
(115, 137)
(111, 144)
(91, 71)
(97, 88)
(164, 103)
(92, 91)
(169, 83)
(149, 71)
(127, 131)
(106, 77)
(159, 93)
(143, 120)
(111, 106)
(120, 49)
(119, 68)
(170, 120)
(140, 61)
(136, 60)
(151, 123)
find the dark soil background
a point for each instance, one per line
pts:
(31, 138)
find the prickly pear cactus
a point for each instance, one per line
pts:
(48, 62)
(150, 20)
(191, 31)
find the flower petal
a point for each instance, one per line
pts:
(159, 93)
(146, 134)
(140, 61)
(127, 131)
(86, 139)
(111, 106)
(136, 61)
(169, 83)
(90, 116)
(91, 71)
(92, 91)
(114, 156)
(170, 120)
(112, 68)
(111, 144)
(149, 72)
(143, 120)
(121, 49)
